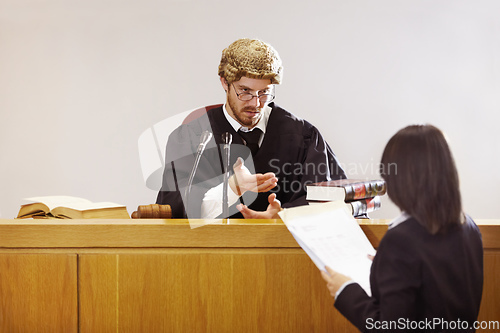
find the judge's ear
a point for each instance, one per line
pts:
(224, 83)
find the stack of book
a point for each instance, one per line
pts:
(362, 195)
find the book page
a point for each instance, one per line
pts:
(54, 201)
(332, 237)
(82, 206)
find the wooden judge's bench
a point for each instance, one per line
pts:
(164, 276)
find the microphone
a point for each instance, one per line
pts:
(205, 137)
(227, 138)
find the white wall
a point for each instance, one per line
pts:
(81, 80)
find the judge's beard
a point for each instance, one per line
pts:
(238, 114)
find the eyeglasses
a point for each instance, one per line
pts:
(246, 96)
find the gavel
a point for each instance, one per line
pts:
(153, 211)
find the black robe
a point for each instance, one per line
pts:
(292, 148)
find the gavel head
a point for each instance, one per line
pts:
(152, 211)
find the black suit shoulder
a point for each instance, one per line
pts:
(417, 275)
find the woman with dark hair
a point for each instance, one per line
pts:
(427, 274)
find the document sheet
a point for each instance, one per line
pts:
(331, 237)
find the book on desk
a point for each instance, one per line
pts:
(69, 207)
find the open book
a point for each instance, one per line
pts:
(331, 236)
(67, 207)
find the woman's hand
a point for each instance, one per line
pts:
(334, 280)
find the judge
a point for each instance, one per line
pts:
(273, 156)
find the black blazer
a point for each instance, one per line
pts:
(419, 281)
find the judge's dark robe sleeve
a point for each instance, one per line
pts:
(179, 160)
(318, 163)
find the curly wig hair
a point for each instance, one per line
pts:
(251, 58)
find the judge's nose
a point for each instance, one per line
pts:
(255, 101)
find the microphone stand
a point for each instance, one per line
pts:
(227, 139)
(205, 137)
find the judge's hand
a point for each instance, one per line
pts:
(271, 212)
(243, 180)
(334, 280)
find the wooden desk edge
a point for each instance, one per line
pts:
(160, 233)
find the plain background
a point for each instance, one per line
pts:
(80, 81)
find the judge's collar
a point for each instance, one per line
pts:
(262, 124)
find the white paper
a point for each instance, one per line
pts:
(332, 237)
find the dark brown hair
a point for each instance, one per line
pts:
(422, 178)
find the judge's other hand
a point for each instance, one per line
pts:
(334, 280)
(271, 212)
(243, 180)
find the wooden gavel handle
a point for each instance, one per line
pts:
(153, 211)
